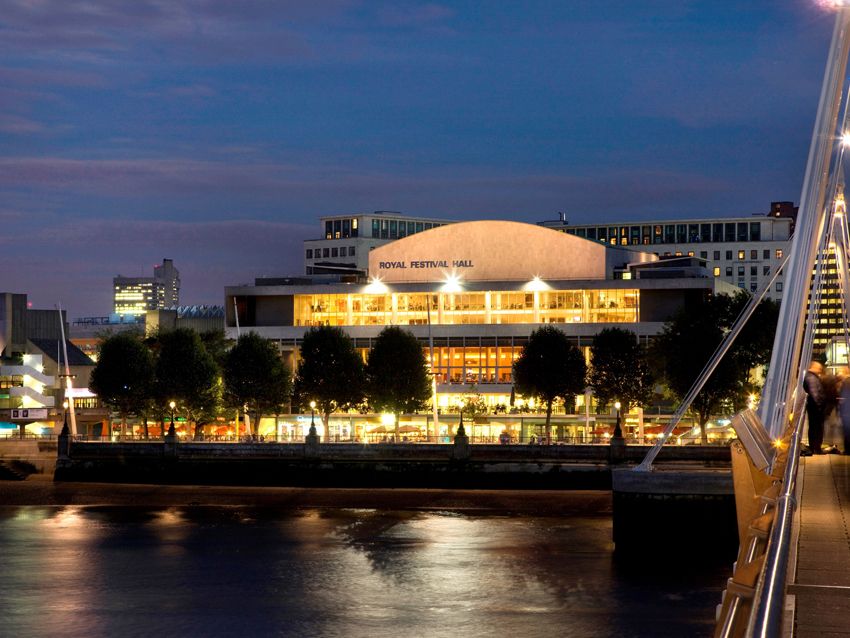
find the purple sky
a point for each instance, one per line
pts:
(216, 132)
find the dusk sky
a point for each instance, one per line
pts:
(216, 132)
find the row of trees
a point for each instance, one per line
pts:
(623, 370)
(140, 377)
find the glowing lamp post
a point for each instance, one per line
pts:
(312, 418)
(171, 431)
(618, 433)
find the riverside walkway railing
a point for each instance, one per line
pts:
(754, 601)
(769, 600)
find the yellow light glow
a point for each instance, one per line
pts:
(779, 444)
(845, 139)
(452, 284)
(618, 405)
(376, 287)
(172, 405)
(387, 418)
(536, 285)
(312, 405)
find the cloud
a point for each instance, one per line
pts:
(193, 90)
(204, 30)
(18, 125)
(398, 15)
(133, 177)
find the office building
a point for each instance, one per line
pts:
(742, 251)
(347, 239)
(136, 295)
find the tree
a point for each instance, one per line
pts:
(330, 372)
(397, 374)
(549, 367)
(619, 369)
(186, 373)
(255, 376)
(124, 375)
(690, 338)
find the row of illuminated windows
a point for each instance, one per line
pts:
(342, 251)
(486, 364)
(671, 233)
(470, 364)
(398, 228)
(754, 271)
(491, 307)
(729, 254)
(341, 228)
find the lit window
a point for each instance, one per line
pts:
(717, 271)
(741, 254)
(779, 253)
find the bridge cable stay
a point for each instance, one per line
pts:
(839, 220)
(788, 342)
(711, 365)
(757, 562)
(724, 346)
(754, 601)
(763, 511)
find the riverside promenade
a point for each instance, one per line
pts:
(821, 584)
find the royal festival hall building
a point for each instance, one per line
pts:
(477, 290)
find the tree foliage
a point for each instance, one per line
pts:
(619, 369)
(549, 367)
(690, 338)
(397, 373)
(187, 374)
(330, 372)
(124, 375)
(255, 376)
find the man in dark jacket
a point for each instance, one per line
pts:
(815, 405)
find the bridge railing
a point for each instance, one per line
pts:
(769, 599)
(765, 475)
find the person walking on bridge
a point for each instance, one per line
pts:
(815, 405)
(844, 408)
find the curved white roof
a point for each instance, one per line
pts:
(497, 251)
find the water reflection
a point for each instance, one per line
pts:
(222, 571)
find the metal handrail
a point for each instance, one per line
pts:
(769, 598)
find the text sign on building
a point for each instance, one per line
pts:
(442, 263)
(29, 414)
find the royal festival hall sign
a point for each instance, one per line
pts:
(442, 263)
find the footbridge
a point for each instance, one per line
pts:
(792, 573)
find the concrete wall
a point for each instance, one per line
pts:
(350, 465)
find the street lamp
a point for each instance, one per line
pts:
(618, 433)
(312, 418)
(171, 432)
(65, 416)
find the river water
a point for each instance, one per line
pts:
(238, 571)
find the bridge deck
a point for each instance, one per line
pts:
(822, 583)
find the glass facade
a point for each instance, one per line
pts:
(671, 233)
(490, 307)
